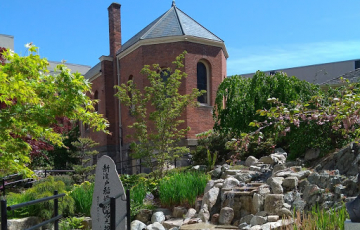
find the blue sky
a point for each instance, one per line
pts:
(259, 34)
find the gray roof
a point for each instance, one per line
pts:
(172, 23)
(352, 76)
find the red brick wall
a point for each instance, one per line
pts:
(199, 119)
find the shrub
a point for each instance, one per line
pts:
(82, 195)
(44, 210)
(215, 143)
(71, 223)
(244, 96)
(182, 188)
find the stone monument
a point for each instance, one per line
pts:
(107, 184)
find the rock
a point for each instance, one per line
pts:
(137, 225)
(258, 202)
(23, 223)
(209, 185)
(284, 212)
(251, 160)
(190, 213)
(215, 219)
(264, 190)
(298, 204)
(86, 223)
(245, 176)
(225, 167)
(204, 213)
(219, 185)
(144, 215)
(272, 159)
(287, 206)
(155, 226)
(289, 197)
(256, 227)
(230, 183)
(261, 213)
(275, 184)
(194, 221)
(280, 151)
(258, 220)
(312, 154)
(226, 216)
(179, 212)
(176, 222)
(296, 168)
(216, 173)
(273, 203)
(198, 205)
(246, 219)
(210, 198)
(244, 226)
(278, 167)
(290, 182)
(255, 168)
(164, 210)
(272, 218)
(158, 217)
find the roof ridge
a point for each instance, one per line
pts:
(153, 26)
(177, 16)
(198, 24)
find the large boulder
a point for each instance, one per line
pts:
(258, 220)
(230, 182)
(137, 225)
(210, 197)
(251, 160)
(275, 184)
(226, 216)
(176, 222)
(273, 203)
(158, 217)
(23, 223)
(144, 215)
(179, 212)
(155, 226)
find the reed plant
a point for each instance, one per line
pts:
(182, 188)
(82, 195)
(320, 219)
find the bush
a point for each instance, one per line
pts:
(182, 188)
(44, 210)
(82, 195)
(215, 143)
(244, 96)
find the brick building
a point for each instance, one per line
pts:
(158, 43)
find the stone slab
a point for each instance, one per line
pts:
(348, 225)
(107, 184)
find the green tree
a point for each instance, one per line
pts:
(85, 152)
(31, 100)
(238, 99)
(157, 109)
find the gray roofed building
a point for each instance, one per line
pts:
(174, 22)
(352, 76)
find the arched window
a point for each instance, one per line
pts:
(203, 82)
(96, 97)
(165, 74)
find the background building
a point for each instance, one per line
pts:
(158, 43)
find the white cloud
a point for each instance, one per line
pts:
(251, 59)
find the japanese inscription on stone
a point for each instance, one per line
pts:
(107, 184)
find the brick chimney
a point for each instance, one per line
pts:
(114, 28)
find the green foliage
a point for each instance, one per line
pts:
(84, 153)
(66, 179)
(182, 188)
(322, 219)
(157, 109)
(71, 223)
(32, 100)
(244, 96)
(211, 160)
(326, 121)
(215, 143)
(82, 195)
(44, 210)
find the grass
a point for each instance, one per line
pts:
(320, 219)
(82, 195)
(182, 188)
